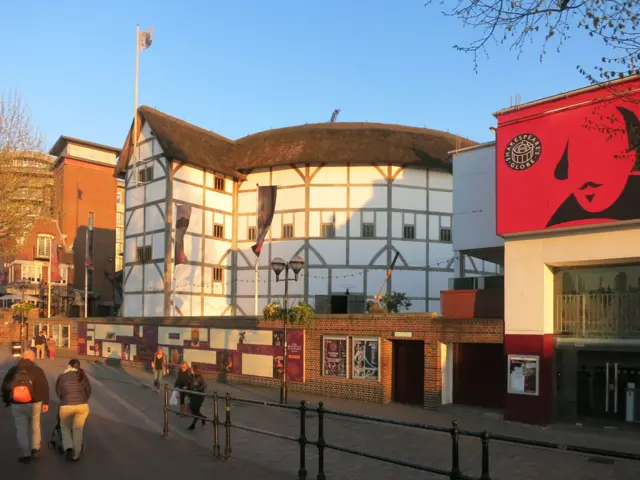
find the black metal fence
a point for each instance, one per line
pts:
(321, 444)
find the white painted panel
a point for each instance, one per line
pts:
(415, 177)
(136, 224)
(276, 227)
(314, 224)
(191, 355)
(409, 198)
(317, 285)
(434, 306)
(145, 132)
(439, 252)
(243, 229)
(341, 224)
(187, 193)
(154, 305)
(381, 224)
(228, 227)
(156, 190)
(247, 202)
(110, 331)
(215, 306)
(130, 249)
(159, 165)
(152, 277)
(417, 306)
(208, 222)
(190, 174)
(347, 278)
(330, 175)
(299, 224)
(409, 218)
(262, 177)
(258, 337)
(183, 333)
(361, 252)
(334, 252)
(375, 279)
(285, 249)
(134, 280)
(188, 305)
(355, 224)
(421, 226)
(258, 365)
(134, 196)
(439, 179)
(440, 201)
(193, 247)
(415, 253)
(445, 221)
(224, 338)
(438, 281)
(187, 278)
(219, 201)
(289, 199)
(145, 150)
(285, 176)
(214, 251)
(132, 305)
(410, 282)
(328, 197)
(434, 227)
(396, 225)
(112, 350)
(158, 245)
(369, 196)
(367, 175)
(195, 222)
(153, 219)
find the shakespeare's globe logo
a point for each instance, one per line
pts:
(523, 152)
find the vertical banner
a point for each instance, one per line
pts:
(266, 208)
(55, 262)
(183, 215)
(88, 259)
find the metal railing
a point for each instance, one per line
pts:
(598, 315)
(321, 444)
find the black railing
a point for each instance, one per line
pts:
(321, 444)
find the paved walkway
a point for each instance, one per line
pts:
(280, 457)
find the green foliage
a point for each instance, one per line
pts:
(298, 314)
(22, 309)
(394, 302)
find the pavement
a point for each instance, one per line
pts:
(124, 436)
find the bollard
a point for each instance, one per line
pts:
(455, 457)
(485, 457)
(216, 425)
(321, 443)
(165, 428)
(302, 471)
(227, 427)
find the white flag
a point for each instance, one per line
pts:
(144, 40)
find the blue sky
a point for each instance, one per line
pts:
(242, 66)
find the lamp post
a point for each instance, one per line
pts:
(22, 286)
(278, 265)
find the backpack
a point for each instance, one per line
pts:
(22, 387)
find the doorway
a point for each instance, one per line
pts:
(485, 390)
(408, 372)
(64, 336)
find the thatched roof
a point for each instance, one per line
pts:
(323, 143)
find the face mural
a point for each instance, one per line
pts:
(576, 167)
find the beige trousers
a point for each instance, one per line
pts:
(72, 419)
(26, 416)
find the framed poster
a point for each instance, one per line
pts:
(334, 357)
(523, 374)
(365, 359)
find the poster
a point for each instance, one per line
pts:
(195, 337)
(365, 359)
(523, 374)
(334, 356)
(295, 355)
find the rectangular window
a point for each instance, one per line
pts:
(145, 175)
(119, 260)
(217, 274)
(218, 231)
(144, 254)
(445, 234)
(251, 233)
(218, 183)
(119, 219)
(328, 230)
(119, 234)
(368, 230)
(43, 248)
(409, 231)
(119, 248)
(92, 219)
(119, 199)
(287, 231)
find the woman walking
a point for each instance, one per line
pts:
(159, 367)
(183, 380)
(74, 390)
(51, 343)
(195, 401)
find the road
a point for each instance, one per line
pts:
(123, 436)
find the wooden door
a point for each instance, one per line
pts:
(408, 372)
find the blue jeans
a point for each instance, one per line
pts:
(157, 376)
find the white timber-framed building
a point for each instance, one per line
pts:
(350, 195)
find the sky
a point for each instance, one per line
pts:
(238, 67)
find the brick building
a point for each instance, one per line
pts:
(85, 192)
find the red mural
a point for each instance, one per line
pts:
(570, 162)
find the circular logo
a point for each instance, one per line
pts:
(523, 152)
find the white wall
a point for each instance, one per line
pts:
(474, 199)
(89, 153)
(529, 292)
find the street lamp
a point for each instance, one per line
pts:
(22, 286)
(278, 265)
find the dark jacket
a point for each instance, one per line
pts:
(41, 340)
(197, 383)
(183, 380)
(73, 388)
(40, 383)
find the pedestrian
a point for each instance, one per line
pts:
(41, 342)
(26, 389)
(183, 380)
(195, 401)
(74, 390)
(159, 367)
(51, 344)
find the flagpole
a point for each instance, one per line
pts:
(135, 107)
(257, 272)
(49, 280)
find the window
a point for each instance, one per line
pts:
(218, 231)
(287, 231)
(119, 219)
(92, 219)
(217, 275)
(119, 248)
(119, 234)
(31, 272)
(144, 254)
(251, 233)
(445, 234)
(409, 231)
(145, 175)
(119, 197)
(43, 248)
(119, 260)
(218, 184)
(328, 230)
(368, 230)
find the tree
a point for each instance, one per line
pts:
(517, 22)
(392, 302)
(22, 192)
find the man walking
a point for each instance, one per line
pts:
(26, 389)
(41, 343)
